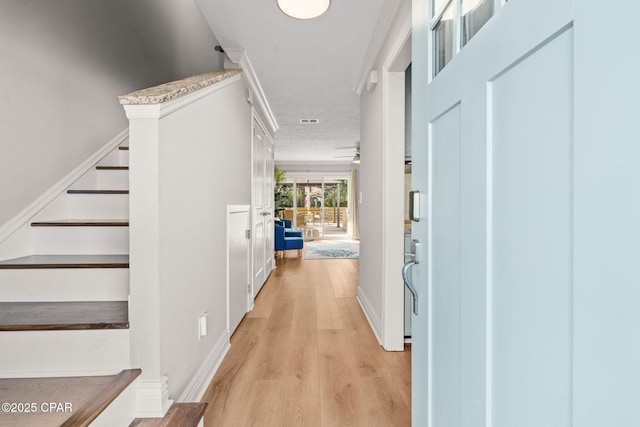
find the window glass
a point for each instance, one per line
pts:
(443, 40)
(474, 14)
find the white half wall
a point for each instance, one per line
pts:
(187, 165)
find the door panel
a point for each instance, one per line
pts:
(444, 291)
(238, 256)
(259, 236)
(532, 238)
(268, 208)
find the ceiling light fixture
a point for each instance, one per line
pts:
(303, 9)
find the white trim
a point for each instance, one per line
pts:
(158, 111)
(489, 261)
(392, 177)
(152, 398)
(380, 33)
(240, 58)
(370, 314)
(41, 202)
(198, 385)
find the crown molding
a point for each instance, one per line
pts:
(240, 58)
(380, 33)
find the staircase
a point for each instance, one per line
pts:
(64, 315)
(64, 287)
(64, 292)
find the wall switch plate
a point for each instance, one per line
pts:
(202, 325)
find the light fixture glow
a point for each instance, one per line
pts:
(303, 9)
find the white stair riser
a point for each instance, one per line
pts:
(34, 353)
(98, 206)
(88, 180)
(81, 240)
(113, 180)
(103, 180)
(121, 411)
(18, 244)
(72, 284)
(115, 158)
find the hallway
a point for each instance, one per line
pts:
(306, 356)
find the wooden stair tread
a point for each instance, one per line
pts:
(98, 191)
(82, 223)
(179, 415)
(49, 316)
(74, 391)
(103, 398)
(66, 261)
(112, 168)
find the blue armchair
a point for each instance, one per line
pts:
(285, 243)
(288, 232)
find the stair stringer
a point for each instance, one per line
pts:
(16, 235)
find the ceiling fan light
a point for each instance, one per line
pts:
(303, 9)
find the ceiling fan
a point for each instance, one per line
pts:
(355, 156)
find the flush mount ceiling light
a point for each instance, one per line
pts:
(303, 9)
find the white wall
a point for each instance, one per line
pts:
(371, 218)
(64, 62)
(380, 203)
(206, 165)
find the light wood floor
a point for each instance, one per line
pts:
(306, 356)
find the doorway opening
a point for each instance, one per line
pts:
(319, 206)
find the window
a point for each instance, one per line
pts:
(474, 14)
(443, 48)
(454, 23)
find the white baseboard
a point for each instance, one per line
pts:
(152, 398)
(200, 382)
(14, 224)
(370, 314)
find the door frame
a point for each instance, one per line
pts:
(393, 128)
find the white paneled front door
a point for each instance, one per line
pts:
(508, 337)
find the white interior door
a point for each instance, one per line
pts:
(263, 229)
(269, 206)
(239, 278)
(259, 235)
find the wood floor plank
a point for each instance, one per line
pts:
(397, 364)
(383, 405)
(366, 352)
(339, 391)
(306, 357)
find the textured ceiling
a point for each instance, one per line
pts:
(307, 69)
